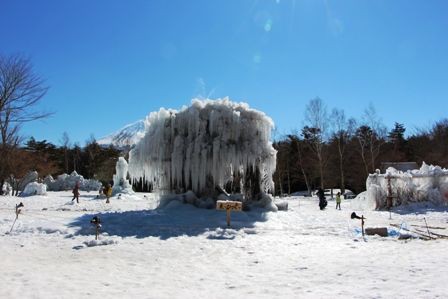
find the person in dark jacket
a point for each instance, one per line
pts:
(322, 201)
(76, 192)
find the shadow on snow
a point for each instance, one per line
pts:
(165, 223)
(420, 208)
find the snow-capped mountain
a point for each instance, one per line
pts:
(127, 136)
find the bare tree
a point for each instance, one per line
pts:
(20, 91)
(77, 152)
(342, 132)
(371, 135)
(298, 145)
(65, 142)
(316, 130)
(363, 136)
(92, 152)
(378, 138)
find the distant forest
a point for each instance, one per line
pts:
(305, 159)
(331, 151)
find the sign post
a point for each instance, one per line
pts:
(354, 216)
(18, 210)
(97, 222)
(229, 206)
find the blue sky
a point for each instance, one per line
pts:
(109, 63)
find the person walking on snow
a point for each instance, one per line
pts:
(76, 192)
(108, 192)
(322, 201)
(338, 200)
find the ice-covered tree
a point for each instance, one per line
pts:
(204, 146)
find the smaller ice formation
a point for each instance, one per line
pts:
(30, 177)
(429, 183)
(121, 184)
(67, 182)
(34, 188)
(6, 188)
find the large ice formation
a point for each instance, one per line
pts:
(429, 183)
(121, 184)
(210, 144)
(67, 182)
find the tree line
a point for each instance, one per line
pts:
(329, 151)
(334, 151)
(92, 161)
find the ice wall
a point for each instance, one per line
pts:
(205, 145)
(429, 183)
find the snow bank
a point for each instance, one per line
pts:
(93, 243)
(67, 182)
(34, 188)
(209, 144)
(429, 183)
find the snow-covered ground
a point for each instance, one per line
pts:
(184, 252)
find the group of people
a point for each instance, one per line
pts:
(107, 191)
(323, 202)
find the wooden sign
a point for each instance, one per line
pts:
(229, 206)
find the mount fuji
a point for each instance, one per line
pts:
(126, 136)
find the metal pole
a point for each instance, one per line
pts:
(362, 224)
(389, 197)
(17, 215)
(429, 234)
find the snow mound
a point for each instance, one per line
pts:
(360, 202)
(209, 144)
(266, 202)
(429, 183)
(94, 243)
(223, 234)
(34, 188)
(67, 182)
